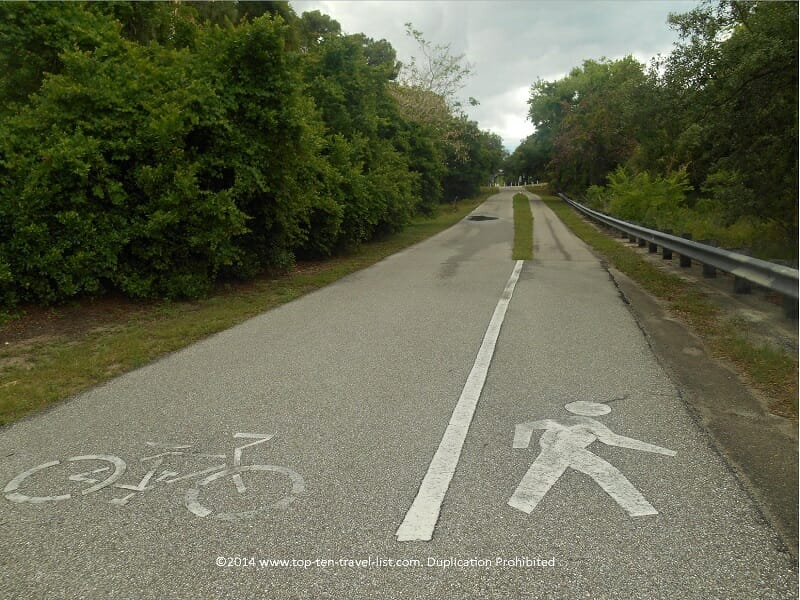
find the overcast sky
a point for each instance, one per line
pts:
(512, 43)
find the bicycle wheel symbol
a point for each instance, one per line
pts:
(192, 499)
(117, 464)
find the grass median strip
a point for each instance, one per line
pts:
(772, 371)
(523, 228)
(55, 358)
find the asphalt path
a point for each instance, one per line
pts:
(356, 384)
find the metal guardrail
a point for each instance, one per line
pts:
(778, 278)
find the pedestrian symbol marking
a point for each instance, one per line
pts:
(564, 446)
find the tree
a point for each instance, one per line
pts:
(437, 71)
(589, 120)
(156, 148)
(426, 94)
(371, 187)
(484, 155)
(743, 105)
(171, 24)
(530, 158)
(156, 170)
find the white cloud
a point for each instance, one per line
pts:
(512, 43)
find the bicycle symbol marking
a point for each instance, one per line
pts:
(109, 477)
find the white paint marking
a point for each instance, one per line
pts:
(11, 488)
(254, 436)
(122, 501)
(84, 477)
(139, 487)
(259, 438)
(167, 446)
(196, 473)
(119, 470)
(192, 498)
(161, 456)
(420, 520)
(564, 446)
(166, 475)
(240, 487)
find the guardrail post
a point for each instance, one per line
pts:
(642, 242)
(790, 307)
(686, 261)
(666, 253)
(652, 247)
(710, 272)
(631, 238)
(789, 304)
(741, 286)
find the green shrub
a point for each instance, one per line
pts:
(661, 203)
(108, 191)
(147, 150)
(654, 201)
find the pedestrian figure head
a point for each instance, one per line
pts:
(588, 409)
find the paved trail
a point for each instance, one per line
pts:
(580, 473)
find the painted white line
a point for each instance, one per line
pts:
(420, 520)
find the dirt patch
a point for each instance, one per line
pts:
(37, 325)
(15, 361)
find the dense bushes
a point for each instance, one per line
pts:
(667, 203)
(146, 149)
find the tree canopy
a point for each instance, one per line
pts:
(721, 108)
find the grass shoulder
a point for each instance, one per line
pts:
(47, 355)
(523, 228)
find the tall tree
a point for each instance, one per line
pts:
(590, 119)
(734, 78)
(437, 70)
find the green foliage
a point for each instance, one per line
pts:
(523, 228)
(663, 202)
(426, 160)
(156, 148)
(108, 193)
(586, 123)
(530, 158)
(744, 103)
(426, 96)
(730, 194)
(264, 149)
(371, 188)
(654, 201)
(722, 108)
(478, 155)
(34, 34)
(167, 24)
